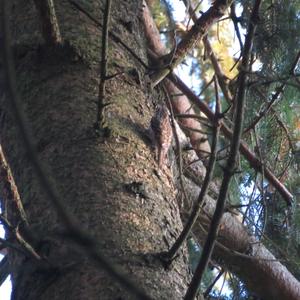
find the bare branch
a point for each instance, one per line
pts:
(208, 176)
(222, 79)
(231, 162)
(9, 187)
(28, 249)
(248, 154)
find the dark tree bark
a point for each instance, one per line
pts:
(94, 175)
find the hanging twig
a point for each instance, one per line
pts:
(206, 86)
(100, 120)
(222, 78)
(49, 24)
(75, 230)
(229, 170)
(208, 176)
(251, 199)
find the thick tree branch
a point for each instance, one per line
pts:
(195, 34)
(222, 79)
(257, 267)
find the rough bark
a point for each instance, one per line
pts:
(94, 175)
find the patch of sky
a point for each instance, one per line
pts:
(5, 288)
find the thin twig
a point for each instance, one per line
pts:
(206, 86)
(75, 230)
(284, 128)
(100, 119)
(208, 176)
(208, 290)
(249, 155)
(278, 92)
(262, 180)
(49, 24)
(222, 78)
(231, 162)
(26, 247)
(9, 187)
(263, 113)
(236, 21)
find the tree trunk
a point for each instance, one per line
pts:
(109, 183)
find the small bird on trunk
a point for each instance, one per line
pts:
(161, 133)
